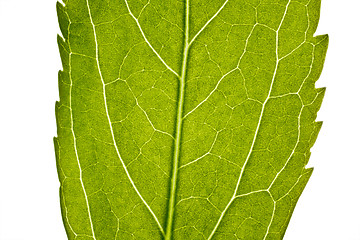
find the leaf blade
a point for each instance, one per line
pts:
(159, 148)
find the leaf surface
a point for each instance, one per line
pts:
(186, 119)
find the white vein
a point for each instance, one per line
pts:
(208, 22)
(146, 115)
(111, 128)
(218, 83)
(211, 93)
(75, 141)
(294, 148)
(147, 41)
(62, 189)
(204, 155)
(257, 128)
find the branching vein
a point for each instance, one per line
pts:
(147, 41)
(208, 22)
(75, 142)
(256, 131)
(111, 128)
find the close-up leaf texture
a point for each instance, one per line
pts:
(186, 119)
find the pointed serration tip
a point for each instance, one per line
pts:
(323, 39)
(319, 123)
(60, 39)
(309, 171)
(321, 91)
(60, 7)
(326, 39)
(62, 18)
(325, 36)
(60, 4)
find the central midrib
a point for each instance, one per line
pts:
(178, 131)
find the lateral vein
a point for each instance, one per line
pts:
(208, 22)
(75, 141)
(147, 41)
(111, 128)
(257, 127)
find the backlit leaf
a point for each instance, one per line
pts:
(186, 119)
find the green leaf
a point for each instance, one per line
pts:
(186, 119)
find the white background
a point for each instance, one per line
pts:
(29, 203)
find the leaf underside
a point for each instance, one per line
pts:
(186, 119)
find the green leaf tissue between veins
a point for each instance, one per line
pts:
(186, 119)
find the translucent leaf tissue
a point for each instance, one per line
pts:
(186, 119)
